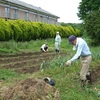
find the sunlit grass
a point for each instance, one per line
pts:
(12, 46)
(66, 78)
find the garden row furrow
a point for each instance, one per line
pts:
(28, 69)
(20, 64)
(26, 54)
(22, 58)
(28, 63)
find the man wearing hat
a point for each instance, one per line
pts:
(84, 52)
(57, 42)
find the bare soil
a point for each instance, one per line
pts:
(29, 89)
(27, 62)
(32, 89)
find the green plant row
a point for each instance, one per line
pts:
(20, 30)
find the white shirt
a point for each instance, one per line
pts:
(43, 46)
(82, 49)
(58, 39)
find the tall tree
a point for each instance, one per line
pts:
(92, 26)
(86, 7)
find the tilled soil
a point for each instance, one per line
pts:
(95, 74)
(29, 89)
(31, 62)
(27, 62)
(32, 89)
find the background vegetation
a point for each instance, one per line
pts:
(66, 78)
(20, 30)
(89, 13)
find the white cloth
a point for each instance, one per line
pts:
(57, 41)
(43, 46)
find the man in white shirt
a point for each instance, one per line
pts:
(83, 51)
(44, 48)
(57, 42)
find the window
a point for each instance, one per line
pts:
(15, 14)
(7, 12)
(26, 16)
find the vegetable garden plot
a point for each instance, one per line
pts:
(27, 62)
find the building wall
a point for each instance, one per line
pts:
(15, 12)
(2, 11)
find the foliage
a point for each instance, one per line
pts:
(16, 30)
(92, 25)
(75, 25)
(66, 78)
(4, 30)
(89, 12)
(96, 53)
(78, 27)
(87, 6)
(20, 30)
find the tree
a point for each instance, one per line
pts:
(86, 7)
(92, 25)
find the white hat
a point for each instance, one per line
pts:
(57, 32)
(47, 78)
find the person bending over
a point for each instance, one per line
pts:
(44, 48)
(83, 52)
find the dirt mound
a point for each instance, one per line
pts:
(95, 74)
(31, 89)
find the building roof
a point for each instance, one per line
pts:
(39, 9)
